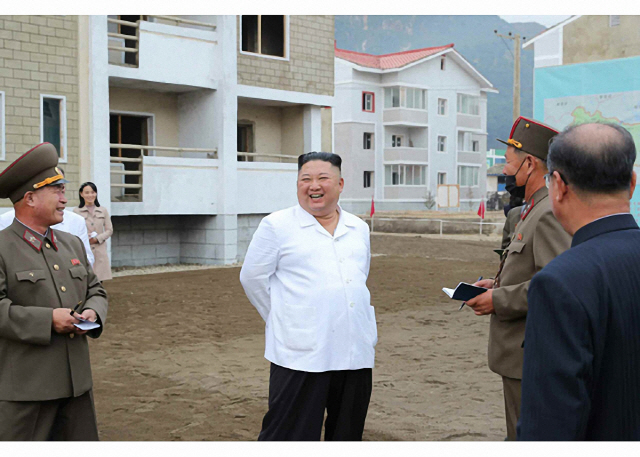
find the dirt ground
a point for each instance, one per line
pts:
(181, 357)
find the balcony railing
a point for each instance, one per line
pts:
(127, 169)
(131, 41)
(278, 158)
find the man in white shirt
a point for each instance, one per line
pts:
(71, 223)
(305, 272)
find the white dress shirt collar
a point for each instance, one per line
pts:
(306, 220)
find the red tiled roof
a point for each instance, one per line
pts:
(389, 61)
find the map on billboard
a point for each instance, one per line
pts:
(619, 107)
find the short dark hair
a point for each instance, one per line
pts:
(602, 166)
(95, 189)
(333, 159)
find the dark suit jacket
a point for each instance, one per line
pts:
(581, 376)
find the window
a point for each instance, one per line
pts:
(442, 107)
(442, 144)
(468, 176)
(392, 97)
(614, 21)
(405, 97)
(368, 102)
(416, 98)
(264, 35)
(468, 104)
(405, 175)
(368, 178)
(442, 61)
(2, 130)
(396, 141)
(368, 140)
(475, 146)
(53, 123)
(442, 178)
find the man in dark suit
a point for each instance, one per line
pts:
(581, 376)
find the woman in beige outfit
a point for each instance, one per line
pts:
(99, 228)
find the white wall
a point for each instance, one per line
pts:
(195, 118)
(548, 49)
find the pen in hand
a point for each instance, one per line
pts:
(463, 303)
(76, 308)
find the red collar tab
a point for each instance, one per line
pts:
(32, 240)
(53, 238)
(526, 213)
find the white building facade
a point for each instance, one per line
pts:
(405, 123)
(192, 126)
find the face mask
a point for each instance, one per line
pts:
(511, 186)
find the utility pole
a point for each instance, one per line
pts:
(516, 72)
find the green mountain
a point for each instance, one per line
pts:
(473, 37)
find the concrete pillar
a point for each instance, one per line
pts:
(225, 125)
(94, 104)
(312, 128)
(378, 140)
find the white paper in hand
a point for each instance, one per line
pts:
(86, 325)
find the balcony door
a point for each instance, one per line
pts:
(127, 129)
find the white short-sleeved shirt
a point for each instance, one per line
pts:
(310, 288)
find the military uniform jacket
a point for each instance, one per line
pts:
(513, 217)
(536, 240)
(37, 275)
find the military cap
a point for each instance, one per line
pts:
(33, 170)
(531, 137)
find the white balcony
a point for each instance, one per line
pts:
(406, 155)
(183, 184)
(470, 121)
(186, 58)
(405, 116)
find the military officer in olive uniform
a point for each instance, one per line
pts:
(46, 285)
(537, 238)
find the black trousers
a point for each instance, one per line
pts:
(65, 419)
(298, 399)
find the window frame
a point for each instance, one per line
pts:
(397, 138)
(476, 175)
(443, 151)
(474, 142)
(445, 105)
(364, 141)
(287, 39)
(3, 130)
(63, 124)
(404, 170)
(458, 104)
(369, 175)
(373, 102)
(403, 93)
(441, 173)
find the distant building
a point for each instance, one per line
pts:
(586, 70)
(495, 156)
(405, 123)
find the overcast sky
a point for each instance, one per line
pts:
(547, 21)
